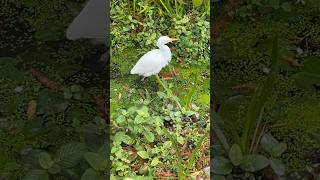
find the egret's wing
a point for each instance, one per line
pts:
(149, 62)
(91, 23)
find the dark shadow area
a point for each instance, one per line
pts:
(266, 76)
(53, 93)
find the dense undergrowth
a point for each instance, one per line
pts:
(51, 94)
(243, 33)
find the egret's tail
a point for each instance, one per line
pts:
(133, 70)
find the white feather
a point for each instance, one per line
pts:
(150, 63)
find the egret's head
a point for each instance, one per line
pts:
(164, 40)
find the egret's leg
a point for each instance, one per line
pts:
(172, 72)
(162, 84)
(168, 90)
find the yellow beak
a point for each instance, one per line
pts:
(173, 39)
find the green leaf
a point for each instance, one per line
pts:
(122, 137)
(268, 142)
(277, 166)
(167, 144)
(254, 162)
(204, 99)
(103, 151)
(67, 94)
(95, 160)
(121, 120)
(312, 65)
(37, 174)
(235, 154)
(45, 160)
(91, 174)
(70, 154)
(279, 149)
(221, 166)
(143, 154)
(306, 81)
(75, 88)
(155, 161)
(315, 136)
(54, 169)
(180, 140)
(197, 3)
(148, 135)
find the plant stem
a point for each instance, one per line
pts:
(256, 106)
(168, 91)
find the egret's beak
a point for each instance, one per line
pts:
(173, 39)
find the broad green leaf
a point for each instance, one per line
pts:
(312, 65)
(167, 144)
(197, 3)
(95, 160)
(45, 160)
(180, 140)
(235, 154)
(268, 142)
(315, 136)
(277, 166)
(91, 174)
(204, 99)
(143, 111)
(306, 81)
(254, 162)
(122, 137)
(70, 154)
(103, 151)
(54, 169)
(155, 161)
(221, 165)
(279, 149)
(37, 174)
(75, 88)
(121, 120)
(148, 135)
(139, 119)
(143, 154)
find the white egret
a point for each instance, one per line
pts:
(92, 23)
(153, 61)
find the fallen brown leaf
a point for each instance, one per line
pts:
(44, 80)
(101, 104)
(125, 86)
(244, 87)
(291, 61)
(141, 92)
(32, 109)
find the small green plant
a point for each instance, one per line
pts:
(143, 135)
(47, 165)
(243, 153)
(234, 158)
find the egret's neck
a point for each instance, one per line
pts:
(165, 51)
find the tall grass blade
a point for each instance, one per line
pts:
(193, 155)
(166, 7)
(189, 97)
(181, 174)
(259, 99)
